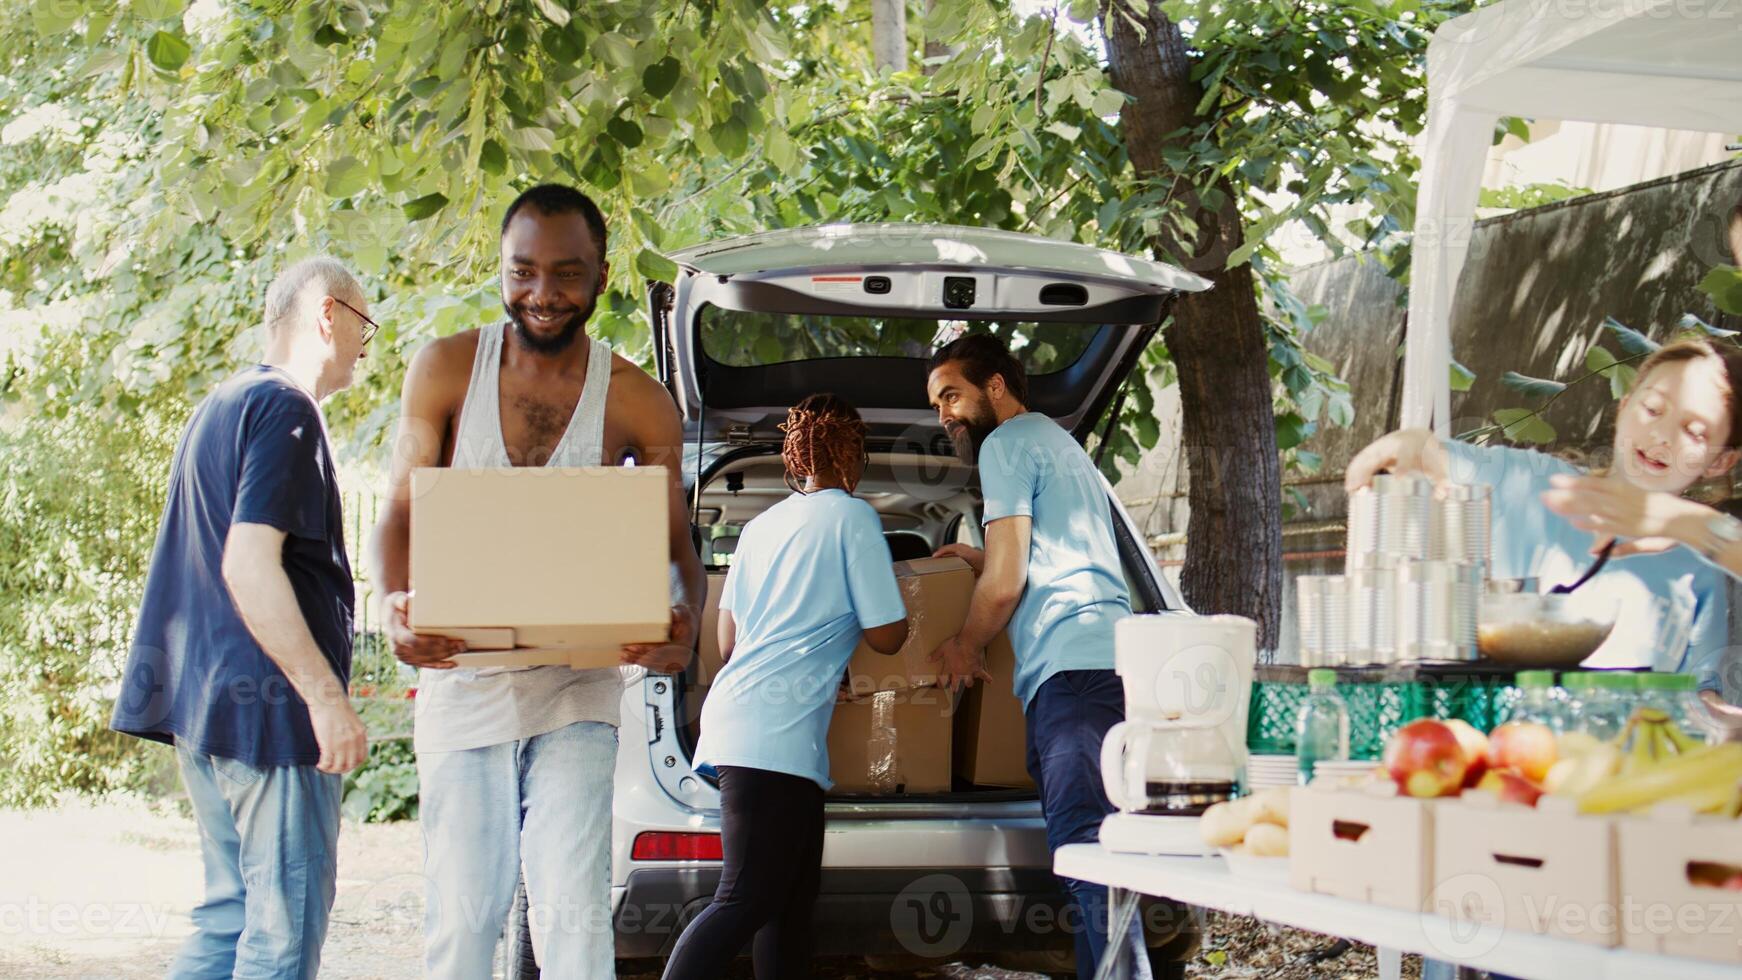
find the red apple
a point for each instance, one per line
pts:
(1524, 746)
(1475, 749)
(1510, 786)
(1426, 759)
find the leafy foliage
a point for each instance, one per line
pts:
(159, 160)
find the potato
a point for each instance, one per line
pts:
(1224, 824)
(1271, 805)
(1267, 840)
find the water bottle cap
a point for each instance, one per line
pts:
(1536, 678)
(1615, 680)
(1661, 681)
(1579, 680)
(1321, 676)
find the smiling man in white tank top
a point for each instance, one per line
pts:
(515, 765)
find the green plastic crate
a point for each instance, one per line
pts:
(1380, 700)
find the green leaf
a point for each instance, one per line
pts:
(614, 50)
(329, 36)
(1631, 340)
(1065, 131)
(731, 136)
(1693, 324)
(1534, 387)
(553, 11)
(659, 78)
(492, 158)
(655, 266)
(1462, 377)
(425, 206)
(1724, 285)
(1524, 425)
(156, 9)
(532, 138)
(625, 132)
(1292, 430)
(1598, 358)
(167, 51)
(346, 176)
(1108, 101)
(53, 16)
(1621, 379)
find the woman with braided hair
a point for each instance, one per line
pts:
(811, 575)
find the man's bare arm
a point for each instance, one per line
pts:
(427, 404)
(656, 435)
(253, 570)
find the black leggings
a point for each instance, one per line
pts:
(771, 825)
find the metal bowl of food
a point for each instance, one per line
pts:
(1531, 630)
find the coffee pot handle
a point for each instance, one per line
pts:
(1113, 765)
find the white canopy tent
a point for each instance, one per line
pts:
(1674, 64)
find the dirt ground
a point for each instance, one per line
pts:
(102, 892)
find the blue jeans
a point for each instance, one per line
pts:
(269, 840)
(1068, 719)
(542, 803)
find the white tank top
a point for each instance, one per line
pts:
(470, 708)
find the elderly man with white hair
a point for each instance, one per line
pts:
(243, 648)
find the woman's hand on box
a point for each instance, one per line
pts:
(975, 557)
(417, 649)
(674, 654)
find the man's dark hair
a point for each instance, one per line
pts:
(555, 199)
(982, 355)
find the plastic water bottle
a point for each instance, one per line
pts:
(1537, 701)
(1321, 730)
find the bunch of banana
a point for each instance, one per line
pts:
(1652, 736)
(1707, 778)
(1582, 763)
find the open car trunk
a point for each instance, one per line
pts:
(753, 325)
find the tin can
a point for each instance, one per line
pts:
(1436, 610)
(1322, 602)
(1372, 615)
(1462, 523)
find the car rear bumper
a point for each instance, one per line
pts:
(919, 911)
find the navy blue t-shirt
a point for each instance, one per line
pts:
(254, 452)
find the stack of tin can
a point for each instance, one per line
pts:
(1415, 568)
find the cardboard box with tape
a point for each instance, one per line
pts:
(936, 592)
(892, 742)
(538, 566)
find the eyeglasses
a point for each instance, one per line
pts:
(369, 326)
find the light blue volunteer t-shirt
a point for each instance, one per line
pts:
(1671, 611)
(809, 576)
(1030, 467)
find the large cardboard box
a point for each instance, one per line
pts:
(1361, 845)
(991, 732)
(936, 592)
(540, 565)
(892, 742)
(1547, 870)
(1674, 869)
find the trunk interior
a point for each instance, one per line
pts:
(925, 501)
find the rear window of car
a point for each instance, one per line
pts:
(739, 339)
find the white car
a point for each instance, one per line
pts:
(753, 325)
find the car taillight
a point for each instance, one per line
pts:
(663, 846)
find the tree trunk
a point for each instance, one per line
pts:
(1234, 536)
(889, 34)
